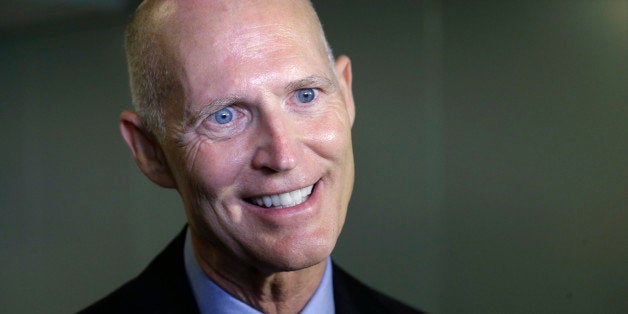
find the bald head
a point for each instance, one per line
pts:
(162, 33)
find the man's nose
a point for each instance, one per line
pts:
(278, 148)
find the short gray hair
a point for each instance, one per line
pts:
(150, 72)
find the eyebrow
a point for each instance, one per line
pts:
(310, 81)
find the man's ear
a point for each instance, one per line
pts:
(146, 150)
(345, 77)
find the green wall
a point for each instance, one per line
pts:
(490, 148)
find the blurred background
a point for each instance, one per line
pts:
(491, 155)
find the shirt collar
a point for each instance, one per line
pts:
(211, 298)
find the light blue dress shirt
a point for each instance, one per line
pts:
(212, 299)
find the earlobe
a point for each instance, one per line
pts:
(345, 77)
(146, 150)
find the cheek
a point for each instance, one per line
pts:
(210, 185)
(330, 136)
(213, 168)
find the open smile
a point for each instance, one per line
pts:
(282, 200)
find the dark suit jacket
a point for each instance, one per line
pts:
(163, 288)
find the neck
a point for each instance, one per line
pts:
(269, 291)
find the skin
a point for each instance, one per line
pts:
(253, 57)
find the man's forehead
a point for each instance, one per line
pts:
(217, 41)
(185, 24)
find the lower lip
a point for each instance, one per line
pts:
(286, 212)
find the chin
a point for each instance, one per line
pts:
(300, 254)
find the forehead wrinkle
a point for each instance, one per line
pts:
(204, 55)
(260, 41)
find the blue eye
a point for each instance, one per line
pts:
(224, 115)
(306, 95)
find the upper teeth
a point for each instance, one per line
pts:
(282, 200)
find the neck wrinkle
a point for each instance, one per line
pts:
(270, 292)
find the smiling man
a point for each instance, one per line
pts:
(242, 109)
